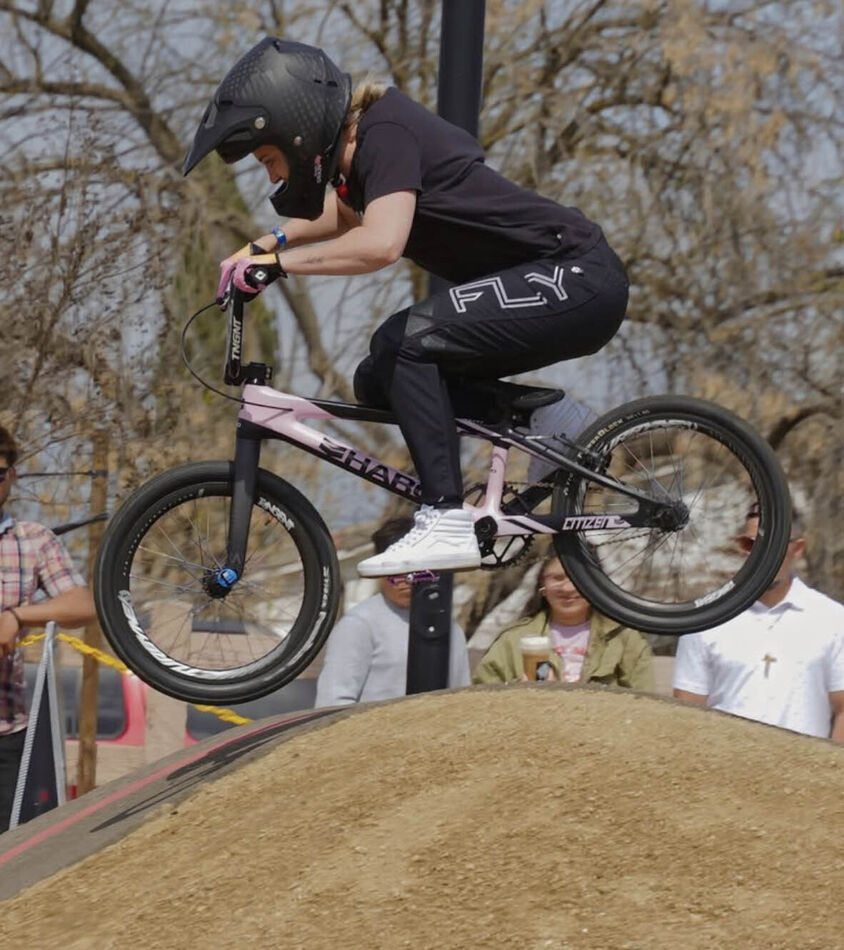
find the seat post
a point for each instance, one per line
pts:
(495, 480)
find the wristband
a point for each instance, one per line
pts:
(16, 615)
(280, 236)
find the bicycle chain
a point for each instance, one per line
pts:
(487, 547)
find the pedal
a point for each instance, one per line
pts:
(485, 529)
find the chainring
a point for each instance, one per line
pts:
(499, 552)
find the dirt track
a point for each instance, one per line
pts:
(518, 817)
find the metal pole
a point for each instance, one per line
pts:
(430, 635)
(461, 62)
(460, 78)
(458, 101)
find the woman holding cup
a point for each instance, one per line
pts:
(561, 637)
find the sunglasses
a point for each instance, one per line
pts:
(4, 471)
(418, 577)
(557, 585)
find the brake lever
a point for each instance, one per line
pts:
(224, 301)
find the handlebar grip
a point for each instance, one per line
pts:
(255, 277)
(262, 275)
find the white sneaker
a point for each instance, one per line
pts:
(566, 417)
(443, 539)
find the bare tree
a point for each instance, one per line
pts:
(703, 137)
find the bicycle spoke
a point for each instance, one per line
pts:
(673, 464)
(172, 557)
(179, 588)
(225, 632)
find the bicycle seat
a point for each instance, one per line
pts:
(497, 401)
(491, 401)
(534, 397)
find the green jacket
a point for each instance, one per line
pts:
(615, 655)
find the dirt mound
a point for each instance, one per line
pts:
(518, 817)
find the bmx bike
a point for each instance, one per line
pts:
(218, 581)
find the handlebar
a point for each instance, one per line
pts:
(234, 372)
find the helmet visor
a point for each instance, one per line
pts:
(234, 131)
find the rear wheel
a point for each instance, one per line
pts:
(174, 627)
(690, 573)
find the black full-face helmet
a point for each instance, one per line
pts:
(285, 94)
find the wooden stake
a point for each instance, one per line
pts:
(87, 761)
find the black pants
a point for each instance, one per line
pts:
(11, 752)
(518, 320)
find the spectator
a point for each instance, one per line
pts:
(586, 646)
(781, 661)
(31, 559)
(366, 656)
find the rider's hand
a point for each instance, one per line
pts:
(227, 269)
(227, 266)
(243, 275)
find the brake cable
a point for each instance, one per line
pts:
(196, 376)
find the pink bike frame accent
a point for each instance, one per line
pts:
(287, 415)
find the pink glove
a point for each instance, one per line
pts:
(240, 268)
(226, 271)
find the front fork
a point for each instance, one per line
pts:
(244, 492)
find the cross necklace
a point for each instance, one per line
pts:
(767, 659)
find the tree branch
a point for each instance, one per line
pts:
(137, 102)
(778, 433)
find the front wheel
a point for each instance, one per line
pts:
(184, 635)
(692, 566)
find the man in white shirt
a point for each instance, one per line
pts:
(366, 655)
(780, 662)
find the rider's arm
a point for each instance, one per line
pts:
(336, 219)
(379, 240)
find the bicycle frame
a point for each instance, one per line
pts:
(267, 413)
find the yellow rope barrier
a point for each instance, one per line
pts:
(224, 715)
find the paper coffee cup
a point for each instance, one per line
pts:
(535, 650)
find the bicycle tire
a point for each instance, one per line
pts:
(232, 647)
(737, 580)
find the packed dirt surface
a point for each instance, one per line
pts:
(516, 817)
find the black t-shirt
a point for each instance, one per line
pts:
(470, 220)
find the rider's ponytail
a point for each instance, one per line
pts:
(365, 94)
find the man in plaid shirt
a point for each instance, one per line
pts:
(31, 559)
